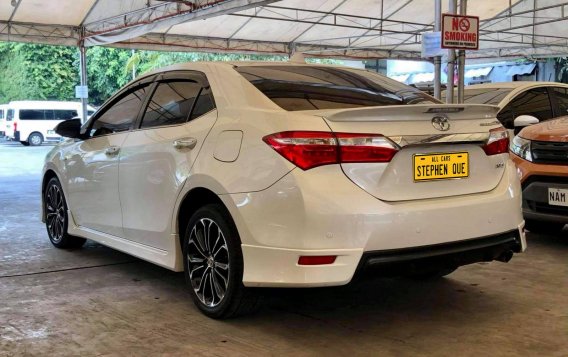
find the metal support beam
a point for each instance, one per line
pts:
(83, 73)
(453, 4)
(438, 59)
(140, 22)
(461, 60)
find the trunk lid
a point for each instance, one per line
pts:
(412, 128)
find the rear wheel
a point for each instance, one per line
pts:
(35, 139)
(213, 263)
(56, 219)
(25, 143)
(544, 227)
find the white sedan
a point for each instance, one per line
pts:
(521, 103)
(284, 175)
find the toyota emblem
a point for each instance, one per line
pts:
(441, 123)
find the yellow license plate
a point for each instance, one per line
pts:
(441, 166)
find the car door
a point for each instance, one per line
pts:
(535, 102)
(92, 165)
(157, 158)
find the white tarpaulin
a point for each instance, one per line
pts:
(327, 28)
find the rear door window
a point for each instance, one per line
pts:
(10, 115)
(204, 103)
(171, 103)
(317, 87)
(534, 102)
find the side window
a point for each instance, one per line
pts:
(533, 102)
(120, 116)
(204, 103)
(171, 103)
(1, 114)
(562, 100)
(32, 114)
(60, 114)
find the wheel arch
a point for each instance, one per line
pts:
(48, 175)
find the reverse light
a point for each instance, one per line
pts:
(317, 259)
(498, 142)
(309, 149)
(521, 147)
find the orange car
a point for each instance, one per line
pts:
(541, 155)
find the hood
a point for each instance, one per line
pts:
(552, 130)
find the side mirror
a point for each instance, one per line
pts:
(525, 120)
(69, 128)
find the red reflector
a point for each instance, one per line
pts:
(316, 259)
(309, 149)
(498, 142)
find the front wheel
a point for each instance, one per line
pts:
(56, 218)
(213, 263)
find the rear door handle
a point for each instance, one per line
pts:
(111, 151)
(185, 143)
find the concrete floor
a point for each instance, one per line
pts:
(96, 301)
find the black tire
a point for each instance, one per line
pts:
(432, 274)
(542, 227)
(218, 292)
(25, 143)
(56, 219)
(35, 139)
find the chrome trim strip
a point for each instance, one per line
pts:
(470, 138)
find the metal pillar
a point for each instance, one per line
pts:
(438, 59)
(453, 4)
(461, 59)
(83, 69)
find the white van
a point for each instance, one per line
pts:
(33, 122)
(3, 110)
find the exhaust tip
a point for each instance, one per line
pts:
(505, 256)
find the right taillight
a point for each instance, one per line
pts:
(498, 142)
(15, 126)
(309, 149)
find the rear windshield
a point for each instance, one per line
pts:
(491, 96)
(314, 87)
(10, 115)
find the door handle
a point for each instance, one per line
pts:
(111, 151)
(185, 143)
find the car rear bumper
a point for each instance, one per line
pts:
(276, 267)
(331, 216)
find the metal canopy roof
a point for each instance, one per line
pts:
(326, 28)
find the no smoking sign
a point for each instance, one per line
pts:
(460, 32)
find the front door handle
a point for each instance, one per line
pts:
(185, 143)
(111, 151)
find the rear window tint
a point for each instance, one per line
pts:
(318, 87)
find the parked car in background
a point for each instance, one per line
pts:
(521, 103)
(33, 122)
(541, 155)
(3, 110)
(284, 175)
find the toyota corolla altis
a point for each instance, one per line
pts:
(284, 175)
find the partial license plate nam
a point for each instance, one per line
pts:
(441, 166)
(557, 197)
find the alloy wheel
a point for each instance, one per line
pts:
(55, 209)
(208, 262)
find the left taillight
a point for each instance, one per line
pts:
(498, 142)
(309, 149)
